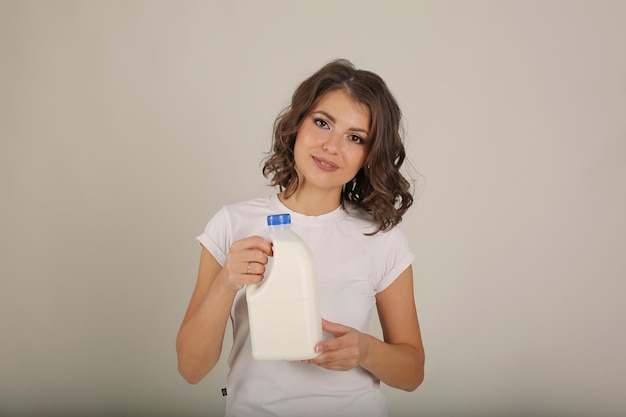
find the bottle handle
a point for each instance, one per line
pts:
(251, 290)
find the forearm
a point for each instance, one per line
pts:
(397, 365)
(201, 336)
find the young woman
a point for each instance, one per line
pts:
(336, 159)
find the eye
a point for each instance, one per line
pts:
(356, 139)
(321, 123)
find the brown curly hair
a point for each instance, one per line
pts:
(379, 187)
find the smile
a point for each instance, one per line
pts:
(325, 164)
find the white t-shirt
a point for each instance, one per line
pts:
(352, 268)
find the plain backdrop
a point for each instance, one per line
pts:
(125, 125)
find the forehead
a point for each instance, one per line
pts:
(342, 103)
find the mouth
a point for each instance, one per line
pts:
(325, 164)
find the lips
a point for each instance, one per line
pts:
(325, 164)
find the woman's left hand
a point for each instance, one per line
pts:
(344, 351)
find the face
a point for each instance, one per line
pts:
(331, 144)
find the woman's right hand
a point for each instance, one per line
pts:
(245, 262)
(212, 301)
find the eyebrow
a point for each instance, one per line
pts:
(332, 119)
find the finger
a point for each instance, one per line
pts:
(336, 360)
(334, 329)
(252, 256)
(255, 242)
(336, 365)
(341, 344)
(255, 268)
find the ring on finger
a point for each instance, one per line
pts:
(248, 269)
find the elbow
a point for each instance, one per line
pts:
(410, 381)
(192, 373)
(417, 375)
(188, 371)
(193, 370)
(191, 377)
(412, 386)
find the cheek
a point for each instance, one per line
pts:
(357, 157)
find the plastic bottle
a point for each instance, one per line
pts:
(283, 309)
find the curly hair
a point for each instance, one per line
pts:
(379, 187)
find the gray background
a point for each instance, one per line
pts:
(126, 124)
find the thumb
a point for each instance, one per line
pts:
(335, 329)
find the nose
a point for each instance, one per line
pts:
(331, 142)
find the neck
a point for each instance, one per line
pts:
(312, 203)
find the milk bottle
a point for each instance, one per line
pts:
(283, 309)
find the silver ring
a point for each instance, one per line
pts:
(248, 270)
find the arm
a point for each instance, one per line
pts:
(201, 334)
(398, 361)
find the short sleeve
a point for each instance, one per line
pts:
(217, 237)
(398, 258)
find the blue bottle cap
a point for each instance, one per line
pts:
(278, 219)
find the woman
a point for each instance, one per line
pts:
(336, 160)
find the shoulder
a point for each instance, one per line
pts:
(365, 222)
(253, 204)
(241, 212)
(247, 217)
(254, 207)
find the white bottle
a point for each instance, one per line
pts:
(283, 309)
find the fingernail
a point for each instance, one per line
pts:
(318, 349)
